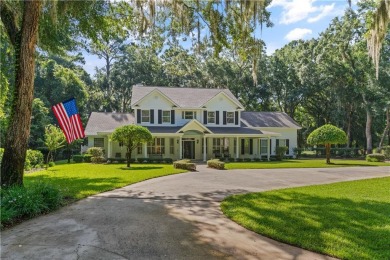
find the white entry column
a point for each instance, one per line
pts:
(109, 148)
(180, 148)
(204, 148)
(237, 147)
(145, 149)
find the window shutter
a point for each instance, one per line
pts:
(159, 116)
(242, 146)
(236, 118)
(288, 146)
(172, 117)
(277, 143)
(205, 117)
(138, 116)
(152, 116)
(224, 117)
(270, 146)
(251, 146)
(217, 117)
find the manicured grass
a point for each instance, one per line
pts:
(79, 180)
(318, 163)
(348, 220)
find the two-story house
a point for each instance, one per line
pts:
(194, 123)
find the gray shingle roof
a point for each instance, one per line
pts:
(234, 130)
(104, 122)
(183, 97)
(268, 119)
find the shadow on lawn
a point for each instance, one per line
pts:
(345, 228)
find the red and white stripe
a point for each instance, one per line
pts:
(71, 126)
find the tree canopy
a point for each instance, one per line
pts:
(131, 136)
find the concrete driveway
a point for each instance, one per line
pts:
(173, 217)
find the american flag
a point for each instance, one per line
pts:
(69, 119)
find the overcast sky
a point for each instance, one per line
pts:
(293, 20)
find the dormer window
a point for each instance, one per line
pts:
(145, 116)
(211, 117)
(166, 116)
(230, 117)
(188, 114)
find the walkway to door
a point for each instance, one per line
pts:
(172, 217)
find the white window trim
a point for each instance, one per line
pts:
(166, 117)
(183, 114)
(228, 123)
(213, 117)
(142, 116)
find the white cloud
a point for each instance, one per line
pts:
(325, 11)
(297, 10)
(297, 33)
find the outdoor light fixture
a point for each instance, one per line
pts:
(177, 141)
(197, 141)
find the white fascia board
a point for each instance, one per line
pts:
(151, 92)
(222, 92)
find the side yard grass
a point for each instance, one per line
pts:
(301, 163)
(347, 220)
(80, 180)
(64, 183)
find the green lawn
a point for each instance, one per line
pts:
(79, 180)
(302, 163)
(348, 220)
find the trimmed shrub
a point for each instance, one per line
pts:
(168, 160)
(216, 164)
(257, 159)
(51, 164)
(185, 165)
(280, 152)
(231, 159)
(247, 159)
(21, 202)
(143, 160)
(100, 159)
(375, 157)
(34, 157)
(87, 157)
(95, 151)
(77, 158)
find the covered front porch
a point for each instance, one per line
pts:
(196, 142)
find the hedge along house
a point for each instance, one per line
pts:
(194, 123)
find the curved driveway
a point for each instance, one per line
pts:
(173, 217)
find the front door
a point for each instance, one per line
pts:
(188, 149)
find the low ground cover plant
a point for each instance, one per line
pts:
(20, 202)
(348, 220)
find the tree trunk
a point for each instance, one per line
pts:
(349, 124)
(386, 129)
(327, 149)
(128, 156)
(368, 131)
(12, 166)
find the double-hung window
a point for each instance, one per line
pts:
(166, 116)
(157, 146)
(263, 146)
(188, 115)
(98, 142)
(211, 117)
(230, 117)
(145, 116)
